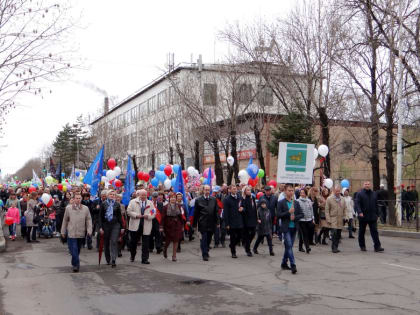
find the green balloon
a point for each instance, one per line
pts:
(261, 173)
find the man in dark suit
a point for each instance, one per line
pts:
(366, 205)
(289, 211)
(206, 217)
(234, 218)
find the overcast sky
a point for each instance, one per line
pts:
(124, 46)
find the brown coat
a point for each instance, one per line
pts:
(335, 212)
(77, 222)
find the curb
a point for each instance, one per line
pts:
(2, 239)
(394, 233)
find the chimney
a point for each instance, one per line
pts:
(106, 105)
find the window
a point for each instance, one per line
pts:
(133, 141)
(162, 99)
(134, 114)
(347, 146)
(265, 96)
(152, 104)
(126, 118)
(210, 94)
(243, 93)
(142, 110)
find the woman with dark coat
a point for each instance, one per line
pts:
(60, 211)
(172, 225)
(111, 225)
(250, 218)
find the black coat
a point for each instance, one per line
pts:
(250, 211)
(116, 215)
(233, 218)
(266, 225)
(206, 214)
(271, 204)
(284, 215)
(367, 203)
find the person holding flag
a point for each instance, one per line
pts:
(206, 218)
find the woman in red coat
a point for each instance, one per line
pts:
(172, 225)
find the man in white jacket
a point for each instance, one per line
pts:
(141, 212)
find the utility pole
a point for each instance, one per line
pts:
(400, 120)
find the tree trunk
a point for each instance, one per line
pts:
(325, 138)
(153, 160)
(133, 158)
(234, 153)
(171, 155)
(181, 156)
(390, 166)
(218, 169)
(197, 155)
(260, 154)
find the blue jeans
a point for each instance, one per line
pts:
(75, 244)
(12, 229)
(205, 242)
(289, 239)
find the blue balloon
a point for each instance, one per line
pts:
(161, 176)
(103, 172)
(173, 181)
(63, 174)
(154, 182)
(252, 170)
(77, 173)
(345, 183)
(133, 173)
(35, 185)
(161, 167)
(175, 168)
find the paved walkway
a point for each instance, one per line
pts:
(36, 279)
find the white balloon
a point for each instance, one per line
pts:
(104, 179)
(117, 170)
(323, 150)
(230, 160)
(196, 173)
(190, 170)
(328, 183)
(315, 153)
(110, 174)
(45, 198)
(167, 183)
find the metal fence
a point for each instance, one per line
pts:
(409, 211)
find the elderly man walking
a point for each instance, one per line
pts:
(141, 212)
(367, 209)
(76, 223)
(206, 217)
(335, 211)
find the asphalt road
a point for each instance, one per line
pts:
(37, 279)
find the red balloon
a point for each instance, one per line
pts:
(60, 187)
(8, 221)
(140, 175)
(253, 182)
(150, 186)
(168, 170)
(272, 183)
(146, 177)
(118, 183)
(184, 174)
(32, 189)
(259, 195)
(111, 163)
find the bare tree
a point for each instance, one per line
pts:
(32, 48)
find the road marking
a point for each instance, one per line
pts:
(240, 289)
(404, 267)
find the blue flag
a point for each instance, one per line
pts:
(129, 184)
(208, 181)
(179, 187)
(94, 173)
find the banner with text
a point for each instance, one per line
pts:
(295, 163)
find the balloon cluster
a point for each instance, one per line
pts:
(112, 175)
(250, 175)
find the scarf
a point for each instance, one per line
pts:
(173, 210)
(110, 210)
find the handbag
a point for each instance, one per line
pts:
(23, 221)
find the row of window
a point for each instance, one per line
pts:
(243, 94)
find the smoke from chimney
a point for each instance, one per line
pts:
(106, 105)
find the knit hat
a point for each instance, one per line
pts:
(263, 201)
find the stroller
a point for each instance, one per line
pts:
(46, 227)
